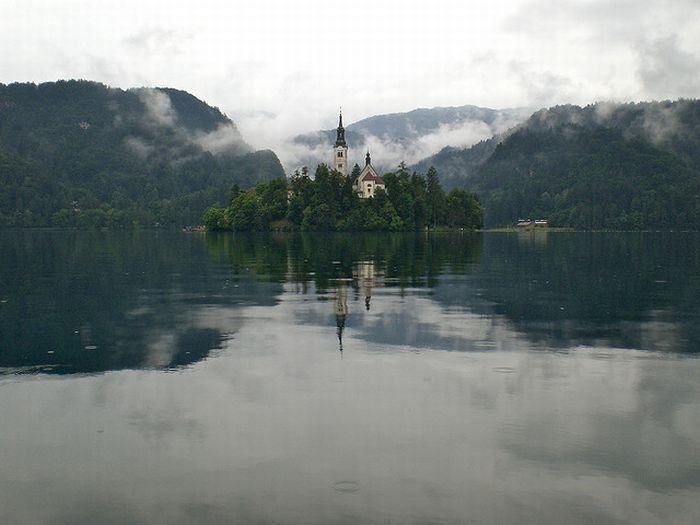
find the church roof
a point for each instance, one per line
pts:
(370, 175)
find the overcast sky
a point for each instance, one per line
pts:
(280, 67)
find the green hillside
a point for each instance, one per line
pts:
(78, 153)
(605, 166)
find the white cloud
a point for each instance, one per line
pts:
(138, 147)
(667, 67)
(158, 107)
(225, 137)
(299, 61)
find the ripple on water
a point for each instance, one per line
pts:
(346, 486)
(504, 369)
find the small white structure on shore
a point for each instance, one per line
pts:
(537, 223)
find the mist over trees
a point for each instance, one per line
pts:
(78, 153)
(328, 203)
(409, 136)
(604, 166)
(590, 179)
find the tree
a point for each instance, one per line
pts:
(328, 203)
(215, 219)
(463, 210)
(273, 196)
(435, 198)
(248, 214)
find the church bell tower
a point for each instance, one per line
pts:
(340, 151)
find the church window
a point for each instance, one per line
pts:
(340, 154)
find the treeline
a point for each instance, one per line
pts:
(328, 203)
(78, 153)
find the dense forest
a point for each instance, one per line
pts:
(604, 166)
(589, 179)
(78, 153)
(328, 202)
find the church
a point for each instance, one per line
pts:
(369, 181)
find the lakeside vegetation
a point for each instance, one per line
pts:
(328, 203)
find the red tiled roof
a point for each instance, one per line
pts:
(377, 179)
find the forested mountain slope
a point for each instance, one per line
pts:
(604, 166)
(81, 153)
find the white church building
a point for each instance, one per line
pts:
(369, 181)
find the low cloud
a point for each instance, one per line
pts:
(663, 122)
(389, 151)
(665, 67)
(156, 41)
(138, 147)
(160, 113)
(542, 88)
(159, 110)
(660, 123)
(224, 139)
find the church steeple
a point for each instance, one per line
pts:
(368, 160)
(340, 151)
(340, 137)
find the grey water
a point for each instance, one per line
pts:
(177, 378)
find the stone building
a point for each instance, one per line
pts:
(369, 181)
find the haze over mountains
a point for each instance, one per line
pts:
(404, 137)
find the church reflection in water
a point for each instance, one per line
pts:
(365, 276)
(341, 311)
(366, 272)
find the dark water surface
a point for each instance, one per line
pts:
(171, 378)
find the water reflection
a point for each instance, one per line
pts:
(341, 311)
(76, 302)
(493, 379)
(83, 302)
(368, 277)
(627, 290)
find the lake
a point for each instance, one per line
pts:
(175, 378)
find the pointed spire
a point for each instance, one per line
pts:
(340, 136)
(368, 160)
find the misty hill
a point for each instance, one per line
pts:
(410, 137)
(457, 165)
(81, 153)
(604, 166)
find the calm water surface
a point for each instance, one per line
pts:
(153, 377)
